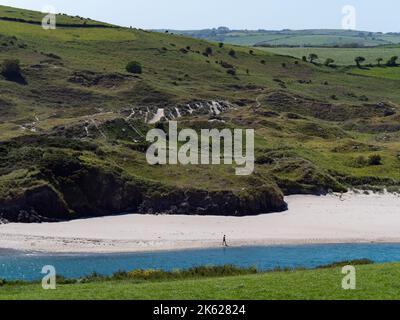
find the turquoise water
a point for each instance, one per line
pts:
(27, 266)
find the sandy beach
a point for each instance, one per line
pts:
(354, 218)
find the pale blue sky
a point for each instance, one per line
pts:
(372, 15)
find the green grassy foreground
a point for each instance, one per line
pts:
(373, 282)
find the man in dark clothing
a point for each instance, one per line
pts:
(224, 243)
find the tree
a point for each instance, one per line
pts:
(134, 67)
(312, 57)
(328, 62)
(379, 60)
(359, 60)
(392, 61)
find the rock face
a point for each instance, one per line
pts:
(38, 204)
(85, 191)
(223, 203)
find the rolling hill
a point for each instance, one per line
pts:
(294, 38)
(72, 126)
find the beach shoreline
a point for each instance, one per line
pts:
(331, 219)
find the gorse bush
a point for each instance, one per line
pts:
(134, 67)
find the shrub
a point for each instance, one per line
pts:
(232, 53)
(134, 67)
(11, 70)
(226, 65)
(328, 62)
(209, 51)
(232, 72)
(358, 262)
(375, 160)
(221, 44)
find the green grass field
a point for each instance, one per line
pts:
(373, 282)
(342, 56)
(300, 38)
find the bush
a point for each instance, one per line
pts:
(134, 67)
(209, 51)
(328, 62)
(226, 65)
(232, 53)
(11, 70)
(375, 160)
(232, 72)
(358, 262)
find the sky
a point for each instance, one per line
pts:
(371, 15)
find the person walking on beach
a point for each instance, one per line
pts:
(224, 243)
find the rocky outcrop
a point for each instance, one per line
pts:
(37, 204)
(82, 192)
(223, 203)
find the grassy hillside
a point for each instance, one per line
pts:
(71, 130)
(297, 38)
(373, 282)
(34, 17)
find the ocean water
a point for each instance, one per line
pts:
(16, 265)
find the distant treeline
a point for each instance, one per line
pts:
(344, 45)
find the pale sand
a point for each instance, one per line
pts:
(327, 219)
